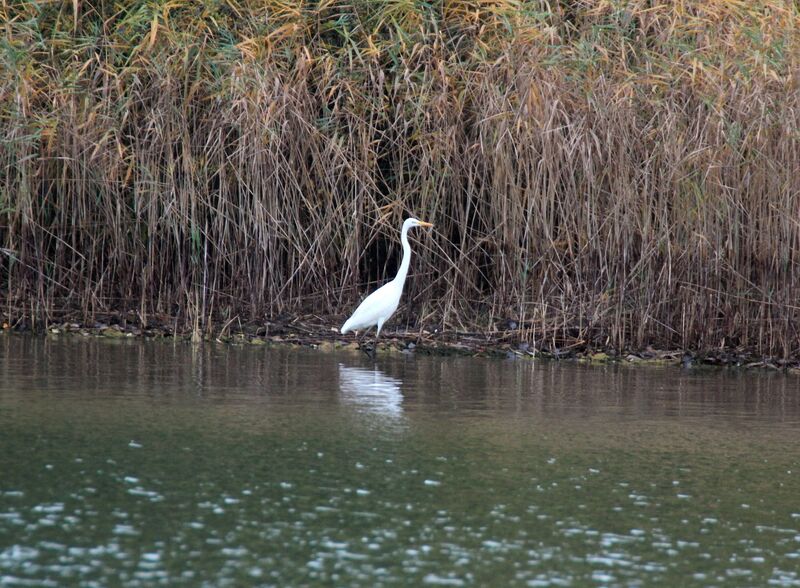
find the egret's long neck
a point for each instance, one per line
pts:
(403, 271)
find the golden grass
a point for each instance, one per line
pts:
(622, 172)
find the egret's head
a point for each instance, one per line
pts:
(415, 222)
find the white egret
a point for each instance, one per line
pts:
(381, 304)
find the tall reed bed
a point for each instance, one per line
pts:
(625, 173)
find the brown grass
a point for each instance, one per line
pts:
(624, 173)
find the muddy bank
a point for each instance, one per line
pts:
(322, 333)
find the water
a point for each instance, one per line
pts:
(142, 463)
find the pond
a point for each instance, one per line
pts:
(147, 463)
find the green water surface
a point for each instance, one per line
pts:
(142, 463)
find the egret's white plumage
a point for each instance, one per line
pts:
(381, 304)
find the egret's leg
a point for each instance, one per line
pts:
(378, 333)
(363, 346)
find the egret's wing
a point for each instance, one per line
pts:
(380, 304)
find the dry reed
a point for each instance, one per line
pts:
(625, 173)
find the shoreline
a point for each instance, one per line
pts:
(314, 332)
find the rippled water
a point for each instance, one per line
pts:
(141, 463)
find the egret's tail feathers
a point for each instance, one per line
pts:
(346, 326)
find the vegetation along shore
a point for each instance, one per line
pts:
(604, 177)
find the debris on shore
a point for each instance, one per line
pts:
(320, 333)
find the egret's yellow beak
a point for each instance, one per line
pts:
(424, 224)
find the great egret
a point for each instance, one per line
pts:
(381, 304)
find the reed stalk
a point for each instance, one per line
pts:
(625, 173)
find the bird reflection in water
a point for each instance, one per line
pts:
(371, 390)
